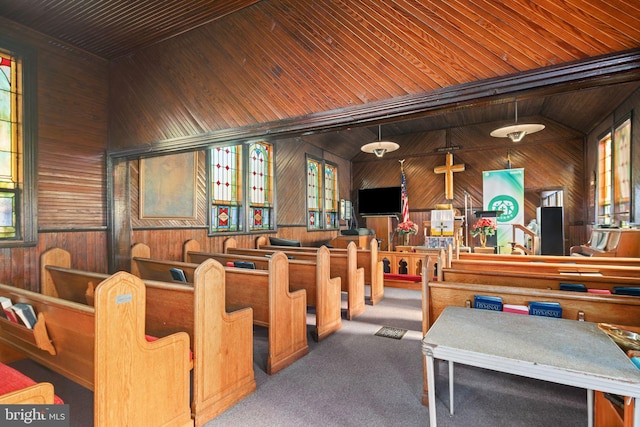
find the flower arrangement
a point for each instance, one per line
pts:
(483, 227)
(407, 227)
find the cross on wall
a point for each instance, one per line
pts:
(448, 170)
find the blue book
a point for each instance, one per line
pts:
(485, 302)
(178, 274)
(621, 290)
(575, 287)
(547, 309)
(244, 264)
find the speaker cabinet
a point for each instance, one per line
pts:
(551, 221)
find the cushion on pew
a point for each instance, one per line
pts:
(13, 380)
(406, 277)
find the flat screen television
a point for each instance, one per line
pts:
(380, 201)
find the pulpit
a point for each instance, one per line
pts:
(492, 241)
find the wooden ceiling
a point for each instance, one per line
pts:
(326, 55)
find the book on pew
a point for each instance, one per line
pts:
(546, 309)
(25, 313)
(574, 287)
(4, 303)
(244, 264)
(515, 308)
(177, 274)
(623, 290)
(485, 302)
(599, 291)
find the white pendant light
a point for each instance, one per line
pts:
(380, 147)
(517, 131)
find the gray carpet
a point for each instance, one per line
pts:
(354, 378)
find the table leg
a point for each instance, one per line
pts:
(431, 392)
(589, 408)
(451, 387)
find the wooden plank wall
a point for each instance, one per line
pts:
(553, 159)
(72, 141)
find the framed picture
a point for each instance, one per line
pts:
(168, 187)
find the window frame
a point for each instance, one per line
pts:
(608, 211)
(322, 211)
(246, 223)
(26, 193)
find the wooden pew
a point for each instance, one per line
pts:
(547, 268)
(103, 348)
(221, 341)
(18, 389)
(572, 260)
(342, 265)
(534, 280)
(616, 309)
(323, 292)
(282, 311)
(37, 394)
(367, 259)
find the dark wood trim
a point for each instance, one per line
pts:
(592, 72)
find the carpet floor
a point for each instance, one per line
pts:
(355, 377)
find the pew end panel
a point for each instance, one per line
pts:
(120, 300)
(37, 394)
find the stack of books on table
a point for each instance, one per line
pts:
(535, 308)
(20, 312)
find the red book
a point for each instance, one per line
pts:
(11, 315)
(515, 308)
(598, 291)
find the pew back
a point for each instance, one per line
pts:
(104, 349)
(267, 292)
(323, 292)
(221, 342)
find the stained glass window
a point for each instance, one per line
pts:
(322, 195)
(10, 98)
(614, 174)
(260, 186)
(232, 178)
(604, 180)
(622, 170)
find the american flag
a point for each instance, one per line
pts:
(405, 196)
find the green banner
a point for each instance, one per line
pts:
(503, 190)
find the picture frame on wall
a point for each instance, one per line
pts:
(168, 187)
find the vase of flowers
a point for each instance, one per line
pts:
(406, 229)
(482, 228)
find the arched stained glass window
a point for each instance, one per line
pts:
(314, 186)
(331, 196)
(242, 176)
(226, 186)
(260, 186)
(322, 195)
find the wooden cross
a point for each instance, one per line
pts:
(448, 169)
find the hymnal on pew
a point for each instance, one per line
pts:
(623, 290)
(575, 287)
(547, 309)
(178, 274)
(25, 313)
(515, 308)
(485, 302)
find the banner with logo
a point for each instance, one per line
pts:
(503, 190)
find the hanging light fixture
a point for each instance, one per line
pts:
(516, 131)
(380, 147)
